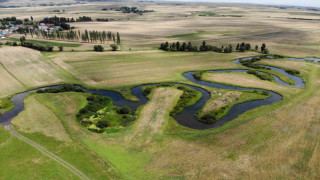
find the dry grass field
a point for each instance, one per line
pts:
(22, 68)
(278, 141)
(125, 69)
(292, 31)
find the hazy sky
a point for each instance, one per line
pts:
(313, 3)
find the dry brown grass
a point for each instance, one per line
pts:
(243, 79)
(221, 101)
(23, 68)
(125, 69)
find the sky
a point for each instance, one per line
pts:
(309, 3)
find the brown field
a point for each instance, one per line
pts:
(23, 68)
(170, 22)
(243, 79)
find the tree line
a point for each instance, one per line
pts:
(35, 46)
(77, 35)
(177, 46)
(241, 47)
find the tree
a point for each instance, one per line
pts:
(118, 38)
(114, 47)
(238, 47)
(98, 48)
(263, 47)
(266, 51)
(257, 47)
(60, 48)
(31, 18)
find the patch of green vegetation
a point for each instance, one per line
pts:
(22, 160)
(198, 75)
(101, 115)
(261, 75)
(198, 34)
(205, 13)
(73, 152)
(215, 115)
(51, 43)
(5, 105)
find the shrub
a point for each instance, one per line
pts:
(293, 72)
(114, 47)
(98, 48)
(209, 118)
(123, 110)
(197, 75)
(147, 91)
(60, 48)
(102, 124)
(14, 44)
(49, 48)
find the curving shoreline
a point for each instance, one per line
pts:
(187, 117)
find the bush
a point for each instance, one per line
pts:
(98, 48)
(293, 72)
(114, 47)
(123, 110)
(197, 75)
(49, 48)
(14, 44)
(147, 91)
(60, 48)
(262, 76)
(102, 124)
(62, 88)
(209, 118)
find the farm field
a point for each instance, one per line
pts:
(144, 112)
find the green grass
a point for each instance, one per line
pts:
(73, 152)
(50, 43)
(5, 105)
(198, 34)
(22, 161)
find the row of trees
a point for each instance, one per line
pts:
(241, 47)
(35, 46)
(193, 48)
(74, 35)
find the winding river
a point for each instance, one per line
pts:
(187, 117)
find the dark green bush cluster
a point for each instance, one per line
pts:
(198, 75)
(213, 116)
(192, 48)
(293, 72)
(98, 48)
(147, 91)
(262, 76)
(36, 46)
(128, 118)
(185, 98)
(243, 47)
(95, 103)
(249, 63)
(62, 88)
(102, 124)
(123, 110)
